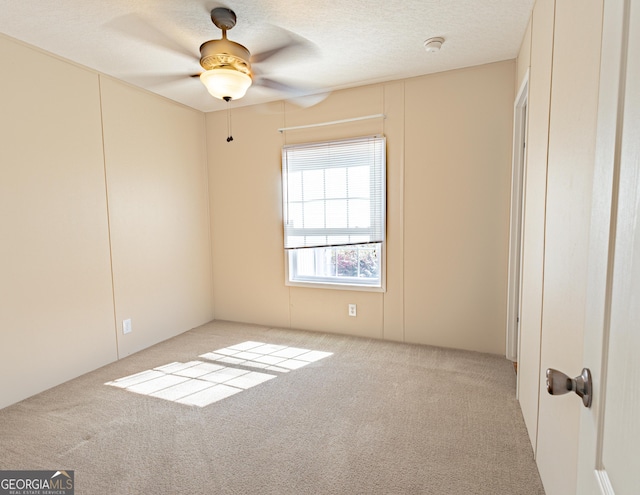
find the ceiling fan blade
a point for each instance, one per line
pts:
(303, 97)
(279, 86)
(309, 100)
(160, 81)
(155, 79)
(136, 27)
(267, 54)
(293, 43)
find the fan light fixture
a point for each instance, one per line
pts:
(226, 84)
(227, 70)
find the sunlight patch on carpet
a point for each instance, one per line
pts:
(199, 383)
(266, 356)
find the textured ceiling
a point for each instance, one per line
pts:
(337, 43)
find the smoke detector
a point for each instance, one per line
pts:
(433, 45)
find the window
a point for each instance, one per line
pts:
(334, 212)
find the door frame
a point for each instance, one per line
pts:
(516, 227)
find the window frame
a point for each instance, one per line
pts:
(339, 282)
(334, 282)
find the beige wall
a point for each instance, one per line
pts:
(158, 206)
(459, 128)
(58, 318)
(245, 216)
(448, 172)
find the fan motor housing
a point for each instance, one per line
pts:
(225, 54)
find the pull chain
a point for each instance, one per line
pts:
(229, 136)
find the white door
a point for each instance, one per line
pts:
(609, 457)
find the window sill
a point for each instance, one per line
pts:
(336, 286)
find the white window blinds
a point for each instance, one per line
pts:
(334, 193)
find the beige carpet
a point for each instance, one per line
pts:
(372, 418)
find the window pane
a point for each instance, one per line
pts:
(295, 186)
(359, 213)
(358, 264)
(317, 239)
(313, 185)
(368, 263)
(298, 241)
(335, 240)
(294, 215)
(354, 239)
(336, 213)
(319, 177)
(305, 263)
(313, 214)
(359, 182)
(336, 183)
(346, 262)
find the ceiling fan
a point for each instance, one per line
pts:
(228, 71)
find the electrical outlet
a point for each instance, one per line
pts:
(126, 326)
(352, 310)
